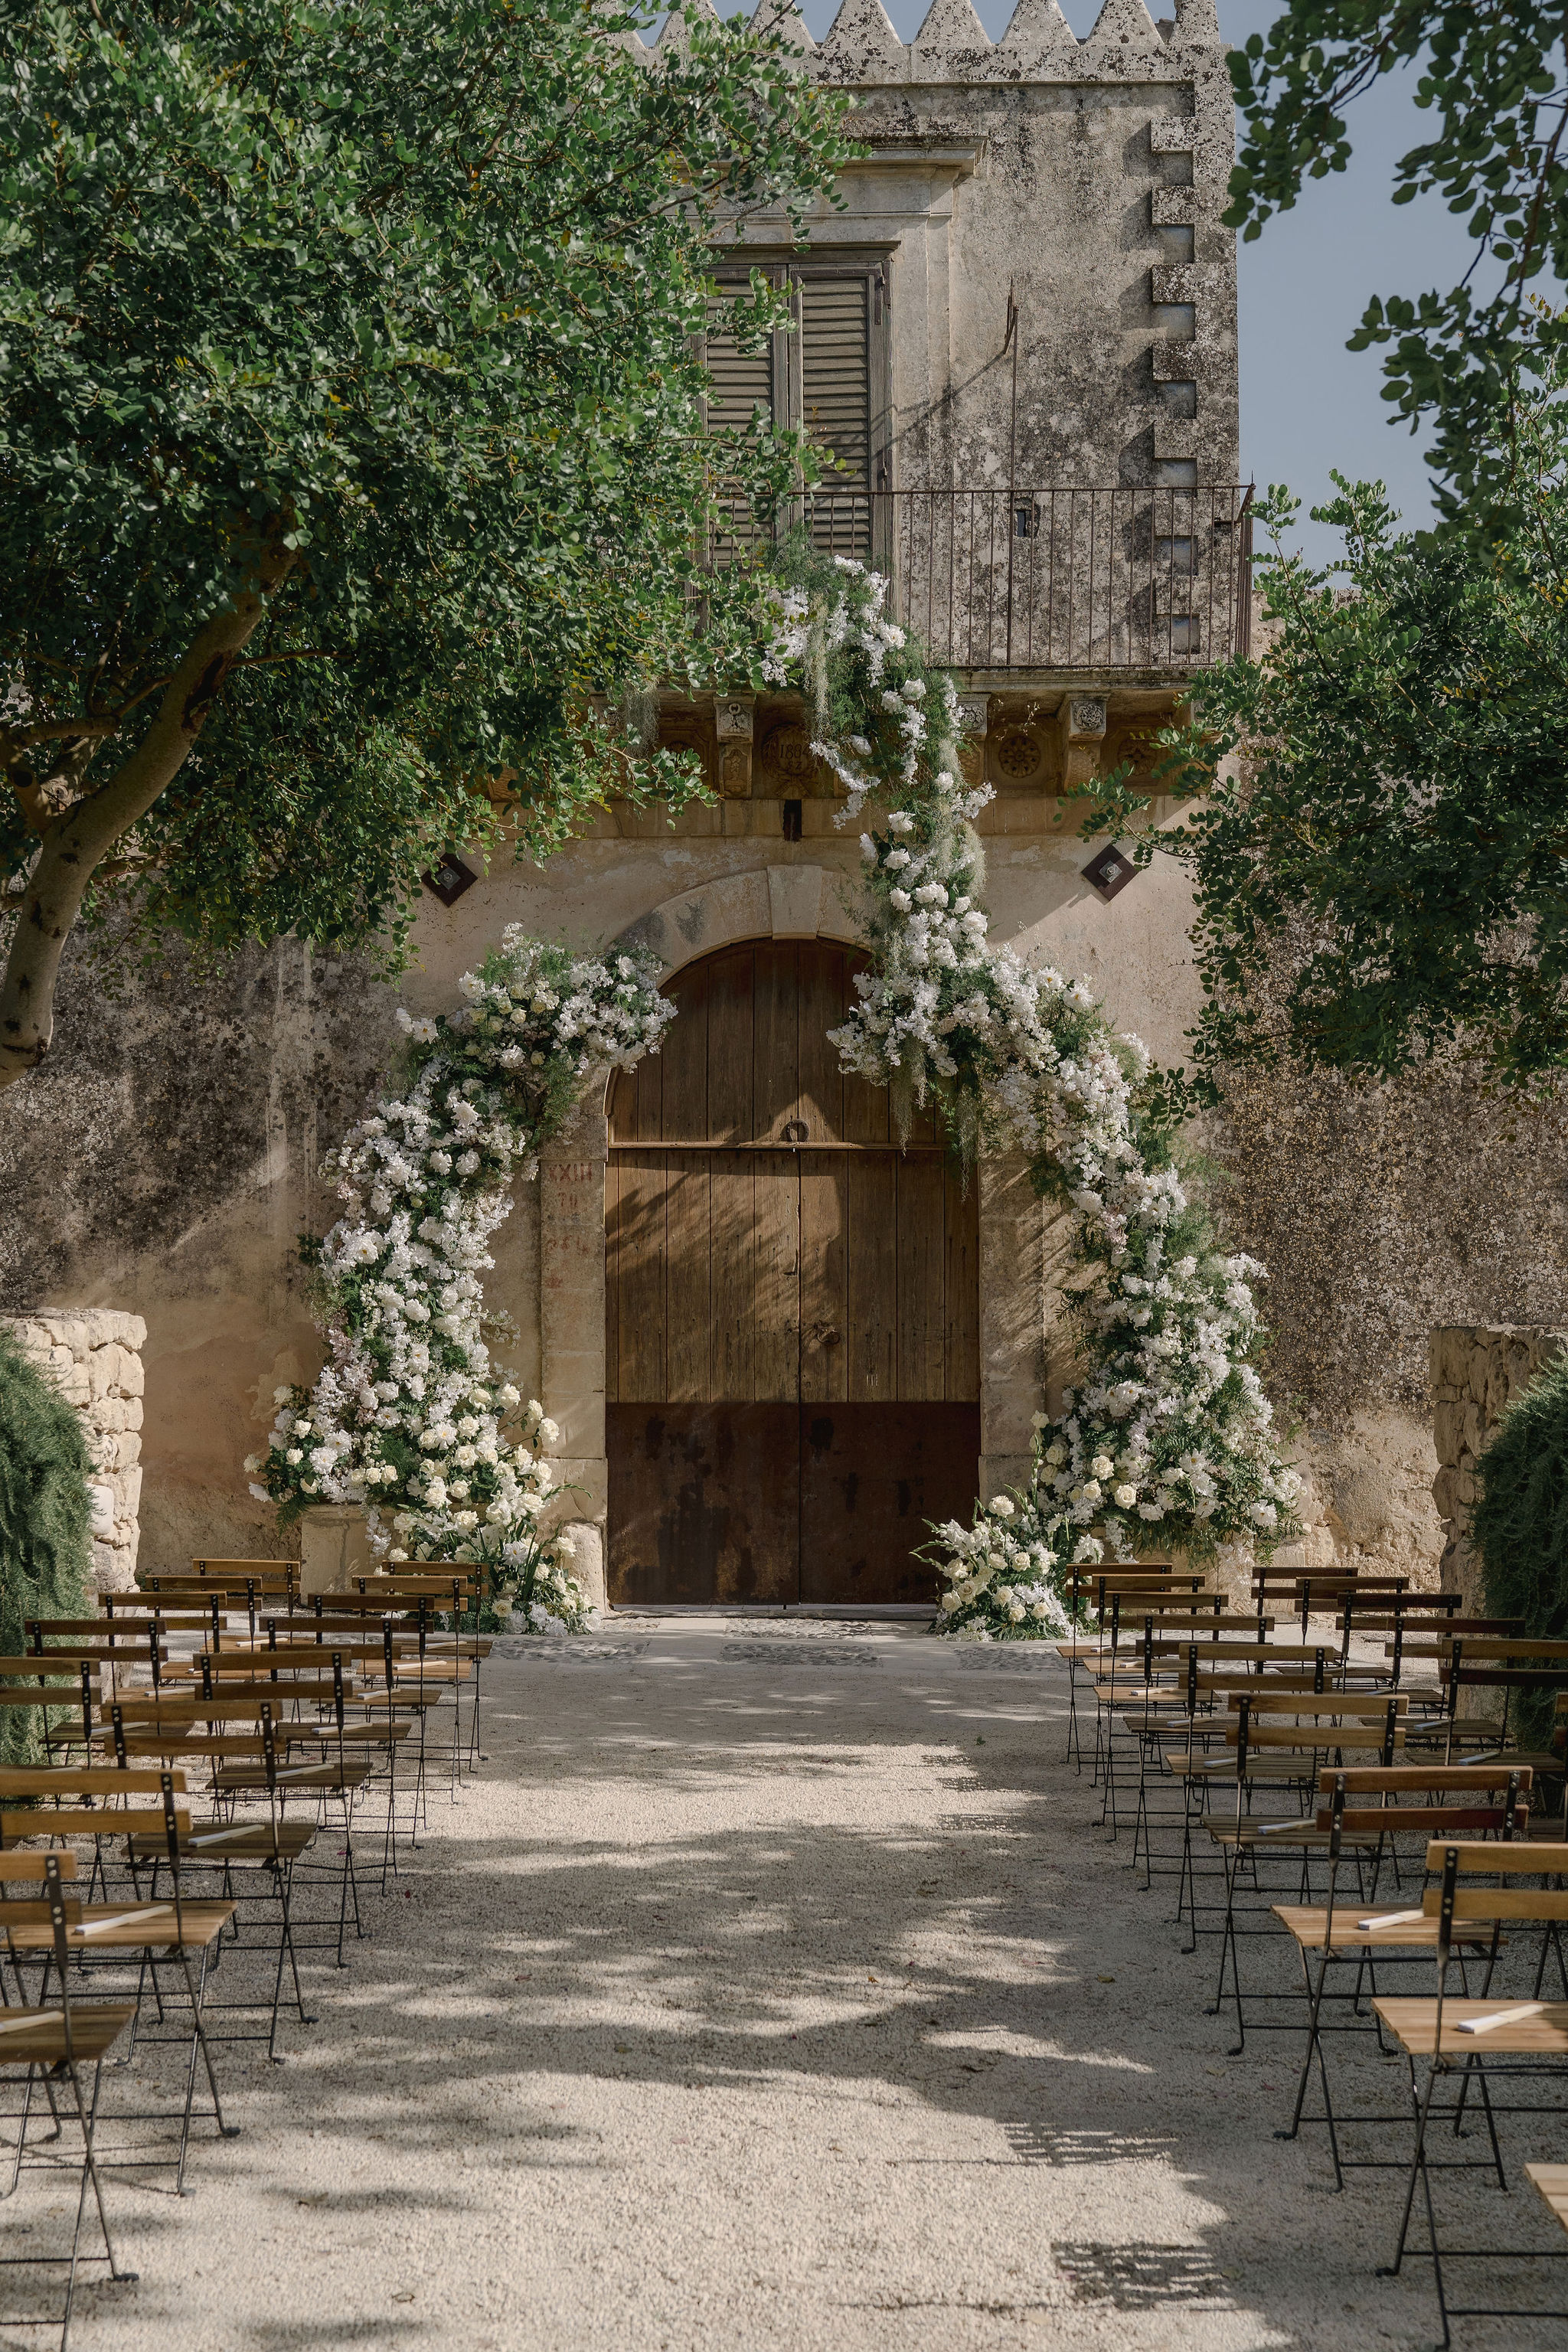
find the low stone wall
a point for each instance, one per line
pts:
(94, 1358)
(1476, 1370)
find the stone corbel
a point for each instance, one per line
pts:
(734, 717)
(1080, 725)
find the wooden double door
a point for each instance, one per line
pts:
(792, 1304)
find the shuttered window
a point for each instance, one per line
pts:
(828, 380)
(835, 409)
(835, 375)
(743, 381)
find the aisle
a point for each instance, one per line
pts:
(772, 1988)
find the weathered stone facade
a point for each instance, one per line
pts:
(166, 1158)
(94, 1358)
(1477, 1371)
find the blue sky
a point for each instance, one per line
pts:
(1307, 404)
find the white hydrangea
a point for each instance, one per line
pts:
(403, 1419)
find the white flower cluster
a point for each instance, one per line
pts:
(807, 630)
(999, 1577)
(1168, 1439)
(408, 1417)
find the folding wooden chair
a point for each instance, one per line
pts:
(54, 2042)
(1334, 1935)
(1286, 1743)
(151, 1935)
(337, 1778)
(1482, 2041)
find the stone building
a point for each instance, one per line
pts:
(773, 1342)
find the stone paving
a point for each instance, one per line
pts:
(773, 1986)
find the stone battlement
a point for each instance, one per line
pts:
(861, 47)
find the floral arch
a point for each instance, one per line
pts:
(1167, 1440)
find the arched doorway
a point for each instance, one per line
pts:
(792, 1323)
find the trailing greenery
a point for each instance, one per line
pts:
(1520, 1524)
(1377, 825)
(45, 1545)
(351, 440)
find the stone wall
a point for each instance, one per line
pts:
(94, 1358)
(1385, 1214)
(1475, 1373)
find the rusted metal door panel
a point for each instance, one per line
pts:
(704, 1502)
(871, 1478)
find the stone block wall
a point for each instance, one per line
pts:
(1476, 1371)
(94, 1358)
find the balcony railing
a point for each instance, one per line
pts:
(1085, 579)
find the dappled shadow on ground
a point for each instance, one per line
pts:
(885, 1905)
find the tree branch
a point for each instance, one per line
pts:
(75, 843)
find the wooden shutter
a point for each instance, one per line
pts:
(836, 407)
(742, 380)
(836, 374)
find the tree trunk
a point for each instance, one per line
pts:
(75, 843)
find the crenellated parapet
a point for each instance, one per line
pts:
(861, 49)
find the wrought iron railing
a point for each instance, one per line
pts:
(1124, 578)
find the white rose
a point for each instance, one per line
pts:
(1102, 1465)
(1124, 1497)
(1001, 1508)
(509, 1395)
(950, 1601)
(282, 1396)
(549, 1434)
(293, 1455)
(252, 1464)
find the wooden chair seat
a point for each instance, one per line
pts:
(1551, 2180)
(293, 1776)
(1544, 2035)
(1222, 1828)
(1307, 1922)
(36, 2037)
(130, 1927)
(218, 1842)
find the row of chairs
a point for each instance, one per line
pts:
(291, 1718)
(1287, 1785)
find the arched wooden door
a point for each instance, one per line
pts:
(792, 1342)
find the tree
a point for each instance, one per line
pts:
(350, 436)
(1492, 72)
(1378, 806)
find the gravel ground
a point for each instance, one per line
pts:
(774, 1985)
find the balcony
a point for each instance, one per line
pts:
(1107, 583)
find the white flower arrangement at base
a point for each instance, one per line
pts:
(1167, 1439)
(409, 1419)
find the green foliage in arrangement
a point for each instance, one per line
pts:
(351, 448)
(46, 1547)
(1520, 1525)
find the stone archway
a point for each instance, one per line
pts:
(779, 902)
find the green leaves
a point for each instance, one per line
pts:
(1493, 78)
(1378, 832)
(412, 289)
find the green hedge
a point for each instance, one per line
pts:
(1520, 1524)
(46, 1541)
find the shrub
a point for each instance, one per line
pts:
(1520, 1524)
(46, 1547)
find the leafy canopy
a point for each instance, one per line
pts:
(1491, 74)
(1380, 840)
(350, 435)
